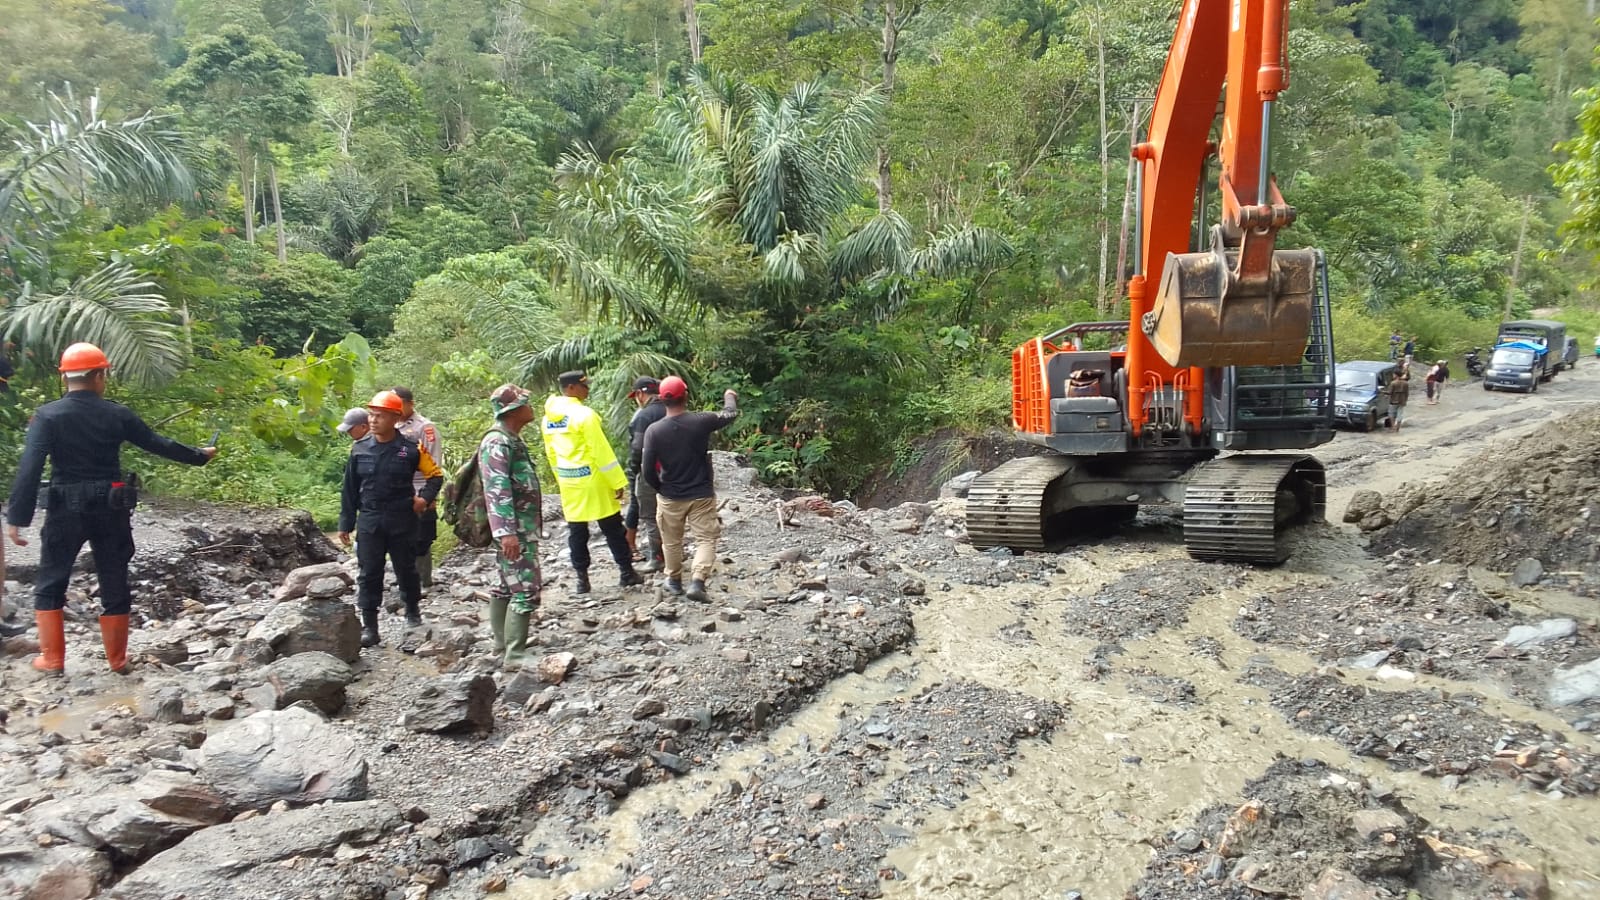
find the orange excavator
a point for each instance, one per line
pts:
(1232, 351)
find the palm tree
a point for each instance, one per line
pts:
(49, 182)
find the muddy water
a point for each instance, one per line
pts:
(1079, 811)
(71, 720)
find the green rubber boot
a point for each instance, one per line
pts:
(497, 622)
(516, 639)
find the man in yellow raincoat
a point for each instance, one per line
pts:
(589, 476)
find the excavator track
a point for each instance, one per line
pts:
(1010, 506)
(1237, 509)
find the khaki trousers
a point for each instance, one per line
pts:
(699, 518)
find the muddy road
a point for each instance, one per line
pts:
(1161, 717)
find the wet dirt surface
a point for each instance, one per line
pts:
(869, 707)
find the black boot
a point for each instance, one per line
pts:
(9, 630)
(580, 584)
(369, 628)
(697, 590)
(673, 587)
(631, 578)
(413, 615)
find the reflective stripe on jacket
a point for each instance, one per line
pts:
(586, 469)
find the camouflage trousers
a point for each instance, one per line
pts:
(520, 580)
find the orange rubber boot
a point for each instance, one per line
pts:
(52, 641)
(114, 634)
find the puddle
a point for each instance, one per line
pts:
(72, 719)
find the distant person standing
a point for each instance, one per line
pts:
(511, 497)
(1438, 375)
(677, 463)
(1399, 393)
(379, 499)
(420, 431)
(1394, 345)
(590, 478)
(641, 496)
(355, 424)
(1410, 350)
(89, 500)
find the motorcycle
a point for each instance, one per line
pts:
(1475, 364)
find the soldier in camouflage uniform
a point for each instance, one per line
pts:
(511, 495)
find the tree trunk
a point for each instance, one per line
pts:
(277, 213)
(891, 55)
(691, 21)
(247, 187)
(1516, 258)
(1104, 222)
(1127, 205)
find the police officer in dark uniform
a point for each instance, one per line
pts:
(379, 500)
(89, 499)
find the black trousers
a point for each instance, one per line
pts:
(109, 534)
(427, 530)
(396, 542)
(616, 539)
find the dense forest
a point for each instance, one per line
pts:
(847, 210)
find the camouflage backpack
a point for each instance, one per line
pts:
(464, 505)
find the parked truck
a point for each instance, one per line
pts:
(1526, 352)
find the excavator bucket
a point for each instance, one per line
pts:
(1205, 316)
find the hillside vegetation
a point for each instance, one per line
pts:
(848, 210)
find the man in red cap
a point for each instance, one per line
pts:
(89, 500)
(677, 463)
(379, 499)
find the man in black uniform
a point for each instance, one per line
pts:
(378, 489)
(89, 500)
(641, 496)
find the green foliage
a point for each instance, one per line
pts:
(304, 300)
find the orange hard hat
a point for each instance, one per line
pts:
(388, 400)
(82, 357)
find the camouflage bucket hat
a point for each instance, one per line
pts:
(506, 398)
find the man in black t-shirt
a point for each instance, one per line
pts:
(676, 462)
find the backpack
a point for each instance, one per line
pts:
(464, 505)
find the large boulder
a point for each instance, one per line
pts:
(454, 703)
(289, 754)
(306, 626)
(296, 583)
(135, 831)
(318, 678)
(1362, 505)
(219, 861)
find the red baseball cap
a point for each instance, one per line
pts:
(673, 388)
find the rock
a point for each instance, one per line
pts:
(1524, 637)
(648, 707)
(135, 831)
(453, 703)
(1527, 572)
(1370, 660)
(327, 588)
(168, 707)
(218, 861)
(494, 884)
(815, 801)
(553, 669)
(1375, 522)
(1362, 504)
(520, 688)
(305, 626)
(67, 872)
(181, 794)
(289, 755)
(316, 677)
(958, 486)
(472, 850)
(736, 654)
(567, 710)
(1337, 884)
(672, 762)
(298, 582)
(168, 653)
(249, 653)
(1372, 824)
(1569, 687)
(1188, 841)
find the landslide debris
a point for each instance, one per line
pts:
(1309, 831)
(1534, 497)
